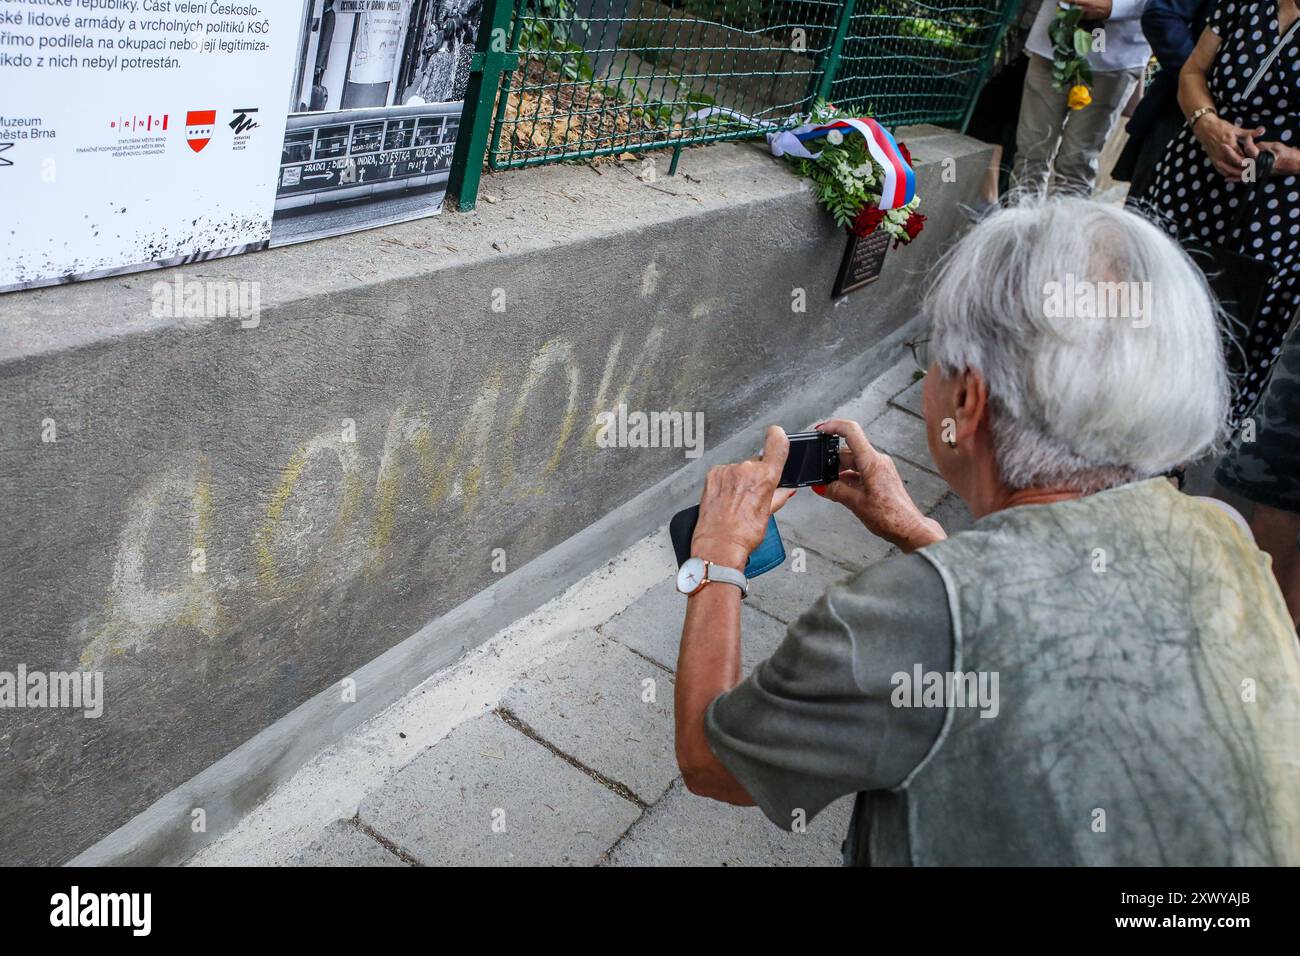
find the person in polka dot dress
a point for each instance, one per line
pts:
(1199, 184)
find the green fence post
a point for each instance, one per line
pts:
(677, 154)
(831, 61)
(492, 58)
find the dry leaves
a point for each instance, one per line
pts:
(547, 115)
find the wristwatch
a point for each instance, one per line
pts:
(1191, 120)
(696, 574)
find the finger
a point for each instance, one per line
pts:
(776, 447)
(850, 483)
(780, 497)
(843, 491)
(1249, 147)
(852, 433)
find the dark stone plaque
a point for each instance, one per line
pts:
(863, 260)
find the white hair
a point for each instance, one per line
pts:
(1082, 399)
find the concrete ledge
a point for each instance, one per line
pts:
(350, 467)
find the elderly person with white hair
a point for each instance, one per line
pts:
(1100, 671)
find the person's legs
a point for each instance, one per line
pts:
(1278, 533)
(988, 201)
(989, 188)
(1086, 131)
(1042, 113)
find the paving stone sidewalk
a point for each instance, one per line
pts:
(575, 763)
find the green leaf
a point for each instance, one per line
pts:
(1082, 42)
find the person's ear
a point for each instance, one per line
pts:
(971, 404)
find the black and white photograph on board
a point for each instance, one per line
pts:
(375, 109)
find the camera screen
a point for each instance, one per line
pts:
(805, 463)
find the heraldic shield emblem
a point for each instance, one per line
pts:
(199, 125)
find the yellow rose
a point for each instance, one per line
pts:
(1079, 97)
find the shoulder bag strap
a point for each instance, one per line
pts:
(1267, 63)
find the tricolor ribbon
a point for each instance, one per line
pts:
(899, 187)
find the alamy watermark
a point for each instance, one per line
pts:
(209, 299)
(72, 690)
(75, 908)
(977, 689)
(1087, 299)
(623, 429)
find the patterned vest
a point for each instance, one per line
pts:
(1148, 706)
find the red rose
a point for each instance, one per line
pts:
(915, 223)
(866, 221)
(907, 157)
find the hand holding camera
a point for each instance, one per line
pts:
(737, 502)
(732, 524)
(870, 486)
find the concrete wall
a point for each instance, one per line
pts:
(348, 466)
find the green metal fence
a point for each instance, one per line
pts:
(575, 79)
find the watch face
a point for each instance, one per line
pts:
(690, 576)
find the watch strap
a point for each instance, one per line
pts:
(724, 575)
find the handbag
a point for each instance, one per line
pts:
(1239, 281)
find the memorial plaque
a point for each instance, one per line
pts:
(863, 260)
